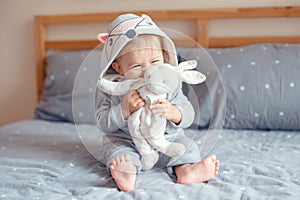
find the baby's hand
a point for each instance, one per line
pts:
(131, 102)
(167, 110)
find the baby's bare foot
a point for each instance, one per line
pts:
(197, 172)
(123, 172)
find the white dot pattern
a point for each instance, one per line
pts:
(264, 48)
(62, 71)
(254, 77)
(281, 113)
(63, 144)
(59, 145)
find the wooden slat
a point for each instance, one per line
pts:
(73, 45)
(202, 32)
(242, 41)
(91, 44)
(40, 53)
(213, 42)
(179, 14)
(260, 12)
(79, 18)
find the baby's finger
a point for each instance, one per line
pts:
(164, 115)
(162, 101)
(156, 106)
(140, 103)
(135, 95)
(158, 111)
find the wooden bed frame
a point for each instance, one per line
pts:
(201, 17)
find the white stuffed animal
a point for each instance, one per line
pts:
(147, 129)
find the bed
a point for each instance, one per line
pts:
(248, 114)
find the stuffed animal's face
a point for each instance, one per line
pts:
(162, 78)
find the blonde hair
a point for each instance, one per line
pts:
(142, 42)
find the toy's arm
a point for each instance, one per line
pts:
(118, 88)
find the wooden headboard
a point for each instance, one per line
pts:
(200, 17)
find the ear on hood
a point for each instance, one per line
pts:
(102, 37)
(120, 27)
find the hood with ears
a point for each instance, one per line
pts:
(124, 29)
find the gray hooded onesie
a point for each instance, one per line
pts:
(117, 140)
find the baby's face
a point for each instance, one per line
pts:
(134, 64)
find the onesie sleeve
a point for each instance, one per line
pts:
(109, 117)
(184, 105)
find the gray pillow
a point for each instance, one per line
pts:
(56, 103)
(261, 82)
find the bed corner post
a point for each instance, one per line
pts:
(202, 32)
(40, 51)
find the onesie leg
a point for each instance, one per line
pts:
(113, 147)
(149, 160)
(191, 155)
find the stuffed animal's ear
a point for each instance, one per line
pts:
(187, 65)
(193, 77)
(188, 75)
(102, 37)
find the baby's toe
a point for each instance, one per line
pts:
(217, 164)
(117, 159)
(213, 158)
(114, 162)
(127, 158)
(122, 158)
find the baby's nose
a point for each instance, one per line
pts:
(144, 69)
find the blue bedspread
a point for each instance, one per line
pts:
(47, 160)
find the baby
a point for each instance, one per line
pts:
(132, 45)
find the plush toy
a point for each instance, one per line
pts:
(147, 129)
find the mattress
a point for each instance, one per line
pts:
(50, 160)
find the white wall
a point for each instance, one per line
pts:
(17, 60)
